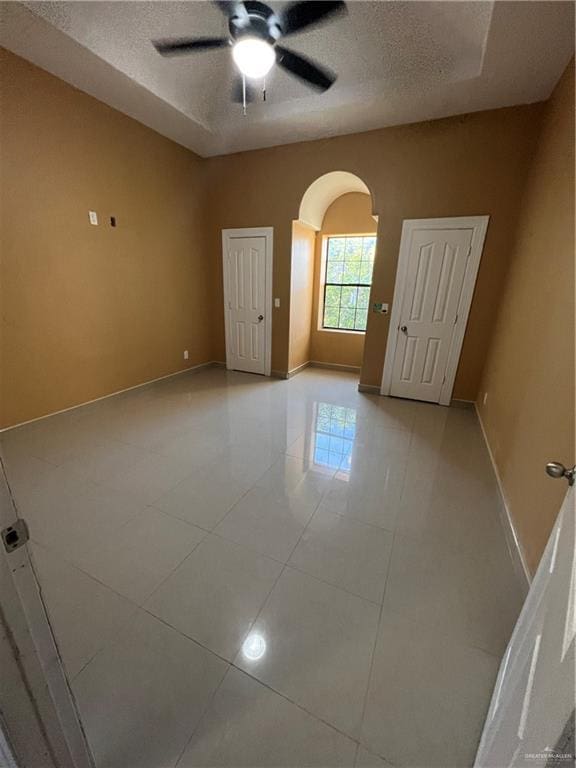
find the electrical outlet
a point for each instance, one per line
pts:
(93, 216)
(276, 303)
(485, 398)
(185, 354)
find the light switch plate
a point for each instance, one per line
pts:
(276, 303)
(93, 216)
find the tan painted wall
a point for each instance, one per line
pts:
(529, 372)
(349, 214)
(301, 290)
(468, 165)
(89, 310)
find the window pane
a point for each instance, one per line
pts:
(349, 296)
(351, 273)
(334, 272)
(369, 248)
(347, 319)
(353, 248)
(331, 317)
(336, 248)
(361, 319)
(332, 298)
(365, 272)
(363, 297)
(349, 266)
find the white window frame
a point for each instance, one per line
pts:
(322, 280)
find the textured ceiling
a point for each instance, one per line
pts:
(397, 62)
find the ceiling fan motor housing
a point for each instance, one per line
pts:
(261, 22)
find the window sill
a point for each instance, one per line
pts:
(341, 330)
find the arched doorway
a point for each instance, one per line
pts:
(332, 256)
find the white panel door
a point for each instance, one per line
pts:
(245, 268)
(531, 718)
(436, 268)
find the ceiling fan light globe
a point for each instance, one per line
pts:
(253, 57)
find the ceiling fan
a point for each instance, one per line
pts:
(255, 30)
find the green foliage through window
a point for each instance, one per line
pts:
(349, 265)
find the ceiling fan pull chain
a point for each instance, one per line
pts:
(264, 89)
(244, 92)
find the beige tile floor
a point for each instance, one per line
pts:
(249, 572)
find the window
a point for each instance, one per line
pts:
(347, 281)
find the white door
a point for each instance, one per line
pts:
(436, 266)
(246, 264)
(531, 717)
(437, 269)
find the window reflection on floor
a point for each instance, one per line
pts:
(334, 435)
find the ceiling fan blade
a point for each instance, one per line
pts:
(305, 69)
(236, 93)
(300, 15)
(182, 45)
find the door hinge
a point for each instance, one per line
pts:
(455, 319)
(15, 535)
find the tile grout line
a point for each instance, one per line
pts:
(381, 613)
(252, 623)
(233, 665)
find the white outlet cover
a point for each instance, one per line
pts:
(185, 354)
(93, 216)
(276, 303)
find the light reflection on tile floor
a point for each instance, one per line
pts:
(249, 572)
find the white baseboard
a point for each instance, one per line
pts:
(458, 403)
(198, 367)
(294, 371)
(335, 366)
(369, 389)
(512, 540)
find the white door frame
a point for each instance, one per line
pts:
(479, 225)
(268, 234)
(39, 721)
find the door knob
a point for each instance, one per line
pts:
(557, 470)
(260, 318)
(404, 328)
